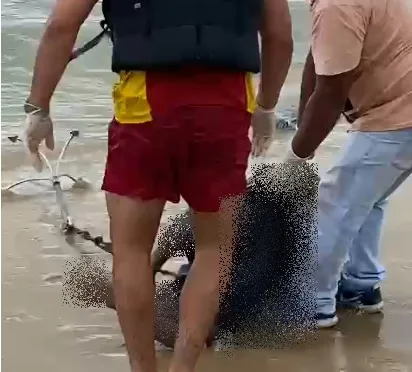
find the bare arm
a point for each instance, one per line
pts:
(338, 34)
(277, 49)
(308, 84)
(322, 112)
(55, 48)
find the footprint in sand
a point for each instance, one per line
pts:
(123, 354)
(54, 252)
(105, 338)
(20, 317)
(52, 279)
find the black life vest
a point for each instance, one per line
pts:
(163, 34)
(148, 35)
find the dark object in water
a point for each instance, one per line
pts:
(287, 119)
(271, 301)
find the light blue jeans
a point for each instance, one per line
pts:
(352, 201)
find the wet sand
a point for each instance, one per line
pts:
(43, 333)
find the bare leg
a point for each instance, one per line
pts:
(158, 259)
(133, 226)
(208, 276)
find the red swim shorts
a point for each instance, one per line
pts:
(199, 153)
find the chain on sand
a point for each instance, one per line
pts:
(96, 240)
(100, 243)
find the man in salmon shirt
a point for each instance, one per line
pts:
(361, 50)
(183, 106)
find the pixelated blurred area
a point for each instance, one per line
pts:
(86, 282)
(271, 302)
(271, 299)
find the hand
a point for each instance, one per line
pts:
(292, 158)
(296, 171)
(263, 127)
(39, 128)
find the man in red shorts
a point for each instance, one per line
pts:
(183, 106)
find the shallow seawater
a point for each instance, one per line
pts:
(43, 332)
(52, 333)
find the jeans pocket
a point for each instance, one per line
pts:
(403, 159)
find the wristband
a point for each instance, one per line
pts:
(29, 108)
(292, 155)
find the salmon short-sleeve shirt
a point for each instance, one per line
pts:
(374, 38)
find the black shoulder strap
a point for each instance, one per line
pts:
(106, 31)
(92, 43)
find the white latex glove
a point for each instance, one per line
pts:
(291, 157)
(263, 130)
(39, 129)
